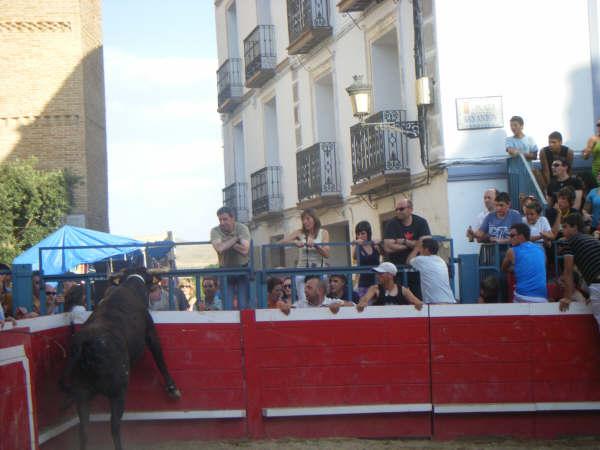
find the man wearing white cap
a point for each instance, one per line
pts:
(386, 291)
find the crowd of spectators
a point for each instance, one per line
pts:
(525, 238)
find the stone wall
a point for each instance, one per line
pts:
(52, 94)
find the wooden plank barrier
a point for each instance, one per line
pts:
(445, 372)
(354, 374)
(514, 370)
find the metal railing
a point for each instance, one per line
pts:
(317, 171)
(255, 279)
(521, 180)
(379, 149)
(304, 15)
(266, 190)
(259, 50)
(229, 80)
(234, 196)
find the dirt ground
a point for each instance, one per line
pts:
(366, 444)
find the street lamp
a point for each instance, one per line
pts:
(360, 97)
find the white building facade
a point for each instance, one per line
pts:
(290, 138)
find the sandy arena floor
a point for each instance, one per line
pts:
(364, 444)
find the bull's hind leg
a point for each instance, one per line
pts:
(117, 406)
(154, 345)
(83, 411)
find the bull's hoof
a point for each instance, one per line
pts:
(173, 391)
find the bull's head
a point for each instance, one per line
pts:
(150, 277)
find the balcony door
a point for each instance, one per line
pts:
(239, 153)
(385, 67)
(233, 45)
(324, 109)
(270, 133)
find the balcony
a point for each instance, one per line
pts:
(267, 201)
(379, 153)
(308, 24)
(234, 196)
(318, 176)
(345, 6)
(259, 55)
(229, 85)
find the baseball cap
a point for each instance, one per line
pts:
(386, 267)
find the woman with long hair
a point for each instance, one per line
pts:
(366, 252)
(311, 241)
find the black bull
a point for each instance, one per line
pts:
(105, 348)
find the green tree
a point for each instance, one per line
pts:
(33, 204)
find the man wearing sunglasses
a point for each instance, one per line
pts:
(561, 178)
(553, 152)
(528, 262)
(403, 231)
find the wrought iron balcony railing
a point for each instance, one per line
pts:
(308, 24)
(266, 191)
(345, 6)
(234, 196)
(229, 85)
(259, 55)
(379, 150)
(317, 170)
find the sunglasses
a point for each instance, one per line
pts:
(402, 208)
(598, 124)
(50, 293)
(556, 164)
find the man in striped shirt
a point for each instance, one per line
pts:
(584, 252)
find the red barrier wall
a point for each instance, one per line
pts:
(309, 360)
(500, 374)
(445, 372)
(16, 397)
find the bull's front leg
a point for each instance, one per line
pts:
(154, 345)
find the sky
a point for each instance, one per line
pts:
(165, 158)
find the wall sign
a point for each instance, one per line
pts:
(476, 113)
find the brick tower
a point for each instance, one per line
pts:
(52, 95)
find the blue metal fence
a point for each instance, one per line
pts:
(256, 274)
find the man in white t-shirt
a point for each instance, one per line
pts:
(435, 282)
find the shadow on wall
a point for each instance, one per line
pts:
(69, 133)
(580, 121)
(579, 110)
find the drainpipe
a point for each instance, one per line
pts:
(420, 73)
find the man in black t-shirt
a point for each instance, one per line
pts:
(584, 252)
(561, 178)
(403, 231)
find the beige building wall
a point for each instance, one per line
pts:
(52, 95)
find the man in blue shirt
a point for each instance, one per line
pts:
(496, 225)
(518, 142)
(528, 262)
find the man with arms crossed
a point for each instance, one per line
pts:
(231, 241)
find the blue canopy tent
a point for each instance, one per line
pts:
(61, 260)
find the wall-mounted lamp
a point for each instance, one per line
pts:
(360, 97)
